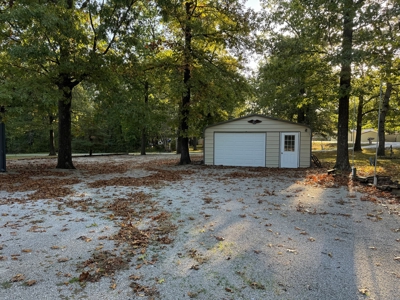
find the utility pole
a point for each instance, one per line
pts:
(2, 141)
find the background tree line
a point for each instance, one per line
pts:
(117, 75)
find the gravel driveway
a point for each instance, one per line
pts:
(133, 227)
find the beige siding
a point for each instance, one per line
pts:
(305, 149)
(392, 137)
(272, 152)
(271, 127)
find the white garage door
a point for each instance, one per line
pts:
(239, 149)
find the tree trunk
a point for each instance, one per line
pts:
(2, 146)
(342, 154)
(143, 142)
(144, 135)
(65, 83)
(301, 115)
(382, 119)
(64, 130)
(301, 111)
(90, 145)
(52, 147)
(357, 142)
(184, 111)
(195, 141)
(179, 144)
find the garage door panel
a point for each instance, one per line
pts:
(239, 149)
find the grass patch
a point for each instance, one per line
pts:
(385, 166)
(6, 284)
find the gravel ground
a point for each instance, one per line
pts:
(134, 227)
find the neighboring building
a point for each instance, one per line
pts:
(366, 134)
(392, 137)
(258, 141)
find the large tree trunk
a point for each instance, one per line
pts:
(64, 130)
(342, 154)
(195, 142)
(184, 145)
(52, 147)
(179, 144)
(2, 146)
(357, 142)
(184, 111)
(301, 115)
(65, 83)
(144, 135)
(382, 119)
(143, 142)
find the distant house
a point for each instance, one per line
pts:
(366, 134)
(395, 137)
(317, 137)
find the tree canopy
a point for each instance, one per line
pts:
(119, 75)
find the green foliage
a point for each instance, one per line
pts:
(296, 83)
(124, 63)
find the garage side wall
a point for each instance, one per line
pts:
(272, 151)
(305, 149)
(272, 128)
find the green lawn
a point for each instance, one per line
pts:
(385, 166)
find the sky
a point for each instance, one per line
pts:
(253, 63)
(255, 4)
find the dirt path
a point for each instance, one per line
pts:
(131, 227)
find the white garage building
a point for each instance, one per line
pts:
(258, 141)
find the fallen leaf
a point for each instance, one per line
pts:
(220, 238)
(134, 277)
(26, 250)
(63, 259)
(195, 267)
(30, 282)
(84, 276)
(228, 290)
(18, 277)
(311, 239)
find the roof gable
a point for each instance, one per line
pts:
(255, 121)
